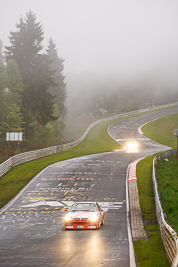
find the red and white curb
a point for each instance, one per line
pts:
(131, 176)
(132, 171)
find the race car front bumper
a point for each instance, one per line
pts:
(81, 225)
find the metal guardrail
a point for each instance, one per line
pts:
(168, 234)
(40, 153)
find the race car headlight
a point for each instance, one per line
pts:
(68, 218)
(132, 145)
(94, 218)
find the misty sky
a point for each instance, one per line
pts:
(116, 36)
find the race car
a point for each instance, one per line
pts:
(84, 215)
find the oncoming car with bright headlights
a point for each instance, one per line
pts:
(132, 146)
(84, 215)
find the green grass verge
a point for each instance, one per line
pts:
(161, 130)
(149, 252)
(167, 174)
(97, 141)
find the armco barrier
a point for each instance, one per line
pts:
(40, 153)
(169, 236)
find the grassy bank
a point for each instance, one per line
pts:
(149, 252)
(167, 174)
(162, 130)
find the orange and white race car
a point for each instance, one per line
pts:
(84, 215)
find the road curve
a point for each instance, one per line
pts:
(31, 225)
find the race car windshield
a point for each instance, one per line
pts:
(83, 207)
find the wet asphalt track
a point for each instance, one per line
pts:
(31, 226)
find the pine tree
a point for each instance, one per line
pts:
(59, 90)
(26, 48)
(13, 97)
(2, 101)
(2, 90)
(14, 82)
(1, 52)
(43, 106)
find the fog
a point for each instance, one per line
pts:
(108, 46)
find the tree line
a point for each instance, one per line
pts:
(32, 86)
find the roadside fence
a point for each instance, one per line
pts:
(168, 234)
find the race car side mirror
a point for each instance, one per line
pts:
(101, 209)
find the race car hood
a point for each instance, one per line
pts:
(82, 215)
